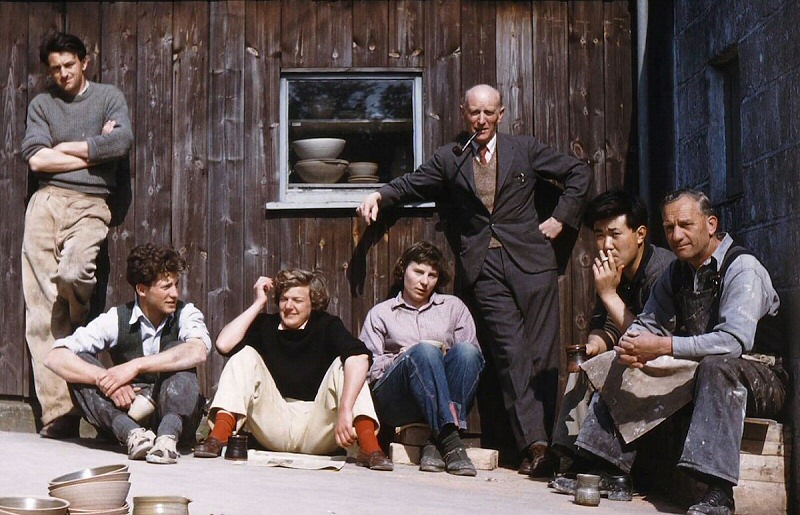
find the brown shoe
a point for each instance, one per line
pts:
(209, 448)
(538, 463)
(67, 426)
(375, 460)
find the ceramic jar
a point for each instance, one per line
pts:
(576, 355)
(161, 505)
(587, 491)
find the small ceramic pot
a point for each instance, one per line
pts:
(576, 355)
(161, 505)
(141, 407)
(587, 491)
(237, 448)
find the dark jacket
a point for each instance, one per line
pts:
(449, 180)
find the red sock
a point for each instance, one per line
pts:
(224, 424)
(365, 429)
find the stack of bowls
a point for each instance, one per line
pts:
(362, 172)
(94, 491)
(31, 505)
(318, 163)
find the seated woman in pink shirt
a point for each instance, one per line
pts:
(426, 358)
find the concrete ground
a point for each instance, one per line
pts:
(218, 486)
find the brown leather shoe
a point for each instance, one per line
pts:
(375, 460)
(538, 463)
(209, 448)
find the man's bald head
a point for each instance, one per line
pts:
(482, 89)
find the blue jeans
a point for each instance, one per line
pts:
(424, 385)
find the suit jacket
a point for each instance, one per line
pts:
(449, 180)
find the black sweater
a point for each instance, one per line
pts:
(299, 359)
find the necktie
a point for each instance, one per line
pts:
(483, 151)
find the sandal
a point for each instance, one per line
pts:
(164, 451)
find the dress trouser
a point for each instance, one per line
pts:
(247, 389)
(520, 312)
(179, 406)
(726, 389)
(424, 385)
(63, 233)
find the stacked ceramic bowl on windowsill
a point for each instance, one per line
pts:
(318, 160)
(362, 172)
(94, 491)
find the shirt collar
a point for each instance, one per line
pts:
(137, 314)
(399, 302)
(719, 254)
(639, 276)
(490, 147)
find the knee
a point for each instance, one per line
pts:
(467, 353)
(71, 271)
(716, 369)
(179, 388)
(425, 353)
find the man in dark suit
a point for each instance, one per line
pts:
(486, 194)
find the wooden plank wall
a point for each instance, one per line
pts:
(201, 80)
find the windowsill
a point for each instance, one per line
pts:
(333, 204)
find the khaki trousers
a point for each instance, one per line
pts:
(247, 389)
(63, 233)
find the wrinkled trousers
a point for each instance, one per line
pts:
(424, 385)
(179, 406)
(726, 390)
(63, 233)
(248, 391)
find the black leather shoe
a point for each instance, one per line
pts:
(66, 426)
(375, 460)
(716, 501)
(538, 463)
(431, 459)
(615, 488)
(457, 462)
(209, 448)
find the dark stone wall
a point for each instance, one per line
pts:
(766, 217)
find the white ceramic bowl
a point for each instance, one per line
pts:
(113, 476)
(97, 495)
(89, 473)
(318, 148)
(362, 169)
(320, 171)
(33, 505)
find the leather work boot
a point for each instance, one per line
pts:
(457, 462)
(431, 459)
(209, 448)
(718, 500)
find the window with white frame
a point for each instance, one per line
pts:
(344, 133)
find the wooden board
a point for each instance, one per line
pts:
(153, 147)
(406, 33)
(759, 497)
(619, 115)
(13, 172)
(190, 152)
(226, 286)
(118, 61)
(515, 72)
(478, 44)
(763, 429)
(763, 468)
(370, 33)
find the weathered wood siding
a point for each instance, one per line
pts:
(201, 80)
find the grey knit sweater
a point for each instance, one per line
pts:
(54, 117)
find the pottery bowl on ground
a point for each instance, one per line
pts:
(362, 169)
(89, 473)
(33, 505)
(97, 495)
(318, 148)
(112, 476)
(324, 171)
(125, 509)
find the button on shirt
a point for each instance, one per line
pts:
(102, 332)
(393, 326)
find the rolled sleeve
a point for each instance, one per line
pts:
(99, 335)
(192, 325)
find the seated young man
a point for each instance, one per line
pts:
(297, 377)
(426, 358)
(624, 272)
(155, 343)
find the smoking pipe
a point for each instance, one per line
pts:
(460, 150)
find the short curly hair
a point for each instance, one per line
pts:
(146, 263)
(424, 253)
(317, 289)
(61, 42)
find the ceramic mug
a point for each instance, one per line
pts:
(141, 407)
